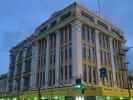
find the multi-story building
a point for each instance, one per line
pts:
(3, 85)
(73, 45)
(130, 80)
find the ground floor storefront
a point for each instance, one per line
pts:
(70, 93)
(72, 98)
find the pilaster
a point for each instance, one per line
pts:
(76, 49)
(47, 62)
(112, 60)
(98, 57)
(57, 58)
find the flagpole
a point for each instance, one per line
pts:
(99, 6)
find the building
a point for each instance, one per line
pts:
(75, 54)
(3, 85)
(130, 79)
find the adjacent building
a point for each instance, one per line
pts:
(74, 48)
(3, 85)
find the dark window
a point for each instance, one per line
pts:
(62, 73)
(91, 18)
(85, 73)
(102, 24)
(70, 52)
(70, 33)
(66, 72)
(61, 37)
(93, 35)
(53, 76)
(88, 33)
(70, 71)
(83, 32)
(94, 75)
(84, 52)
(66, 15)
(29, 51)
(20, 56)
(89, 53)
(90, 76)
(27, 65)
(53, 23)
(43, 30)
(66, 54)
(66, 34)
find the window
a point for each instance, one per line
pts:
(90, 76)
(84, 52)
(29, 52)
(43, 30)
(65, 16)
(61, 37)
(100, 39)
(94, 75)
(70, 71)
(20, 56)
(70, 33)
(50, 77)
(83, 32)
(53, 23)
(19, 68)
(92, 35)
(66, 58)
(89, 53)
(110, 77)
(70, 52)
(102, 60)
(84, 73)
(102, 24)
(88, 33)
(52, 40)
(66, 34)
(53, 76)
(27, 65)
(86, 15)
(66, 72)
(94, 53)
(62, 73)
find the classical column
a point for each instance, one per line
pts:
(57, 58)
(98, 57)
(112, 60)
(34, 63)
(15, 71)
(47, 62)
(76, 49)
(23, 69)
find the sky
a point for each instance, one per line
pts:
(19, 18)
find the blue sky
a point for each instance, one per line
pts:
(19, 18)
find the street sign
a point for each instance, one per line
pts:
(103, 72)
